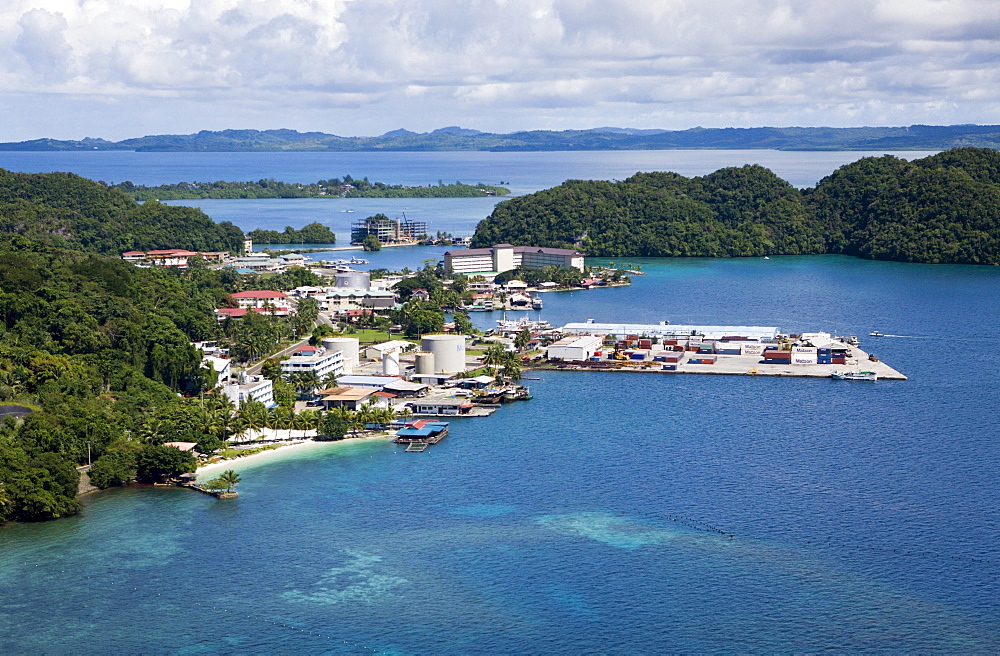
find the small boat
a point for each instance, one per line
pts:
(357, 260)
(536, 303)
(876, 333)
(854, 375)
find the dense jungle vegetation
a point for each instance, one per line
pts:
(311, 233)
(99, 350)
(332, 188)
(62, 209)
(940, 209)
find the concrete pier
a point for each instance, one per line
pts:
(732, 365)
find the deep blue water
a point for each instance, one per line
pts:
(614, 513)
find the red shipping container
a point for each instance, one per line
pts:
(645, 344)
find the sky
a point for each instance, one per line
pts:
(116, 69)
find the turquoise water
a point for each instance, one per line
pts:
(613, 513)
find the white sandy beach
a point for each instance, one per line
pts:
(298, 446)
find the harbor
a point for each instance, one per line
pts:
(719, 350)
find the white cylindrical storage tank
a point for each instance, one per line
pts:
(390, 363)
(354, 280)
(348, 346)
(448, 350)
(424, 363)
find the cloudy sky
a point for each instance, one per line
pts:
(125, 68)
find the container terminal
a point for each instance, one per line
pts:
(727, 350)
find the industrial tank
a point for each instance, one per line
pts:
(448, 350)
(348, 345)
(354, 280)
(390, 363)
(424, 363)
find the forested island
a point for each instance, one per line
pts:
(453, 138)
(332, 188)
(940, 209)
(66, 210)
(311, 233)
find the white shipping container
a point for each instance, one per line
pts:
(752, 349)
(802, 358)
(807, 350)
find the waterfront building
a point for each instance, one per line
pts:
(505, 257)
(252, 388)
(388, 230)
(577, 347)
(222, 366)
(325, 364)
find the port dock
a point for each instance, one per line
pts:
(712, 350)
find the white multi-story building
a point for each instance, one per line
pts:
(326, 364)
(254, 388)
(505, 257)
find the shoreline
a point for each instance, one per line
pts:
(296, 446)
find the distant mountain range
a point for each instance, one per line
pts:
(914, 137)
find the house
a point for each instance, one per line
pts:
(420, 295)
(222, 366)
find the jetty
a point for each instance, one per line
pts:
(709, 350)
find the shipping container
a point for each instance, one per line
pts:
(645, 344)
(727, 351)
(670, 367)
(778, 361)
(638, 355)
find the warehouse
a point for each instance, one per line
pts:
(579, 347)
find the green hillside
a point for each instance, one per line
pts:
(944, 208)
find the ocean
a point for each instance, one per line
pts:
(613, 513)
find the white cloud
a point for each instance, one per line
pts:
(365, 67)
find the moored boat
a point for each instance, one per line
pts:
(854, 375)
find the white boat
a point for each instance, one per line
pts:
(524, 323)
(357, 260)
(536, 303)
(876, 333)
(854, 375)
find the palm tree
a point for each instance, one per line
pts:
(230, 479)
(254, 415)
(405, 413)
(495, 356)
(366, 415)
(309, 420)
(284, 418)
